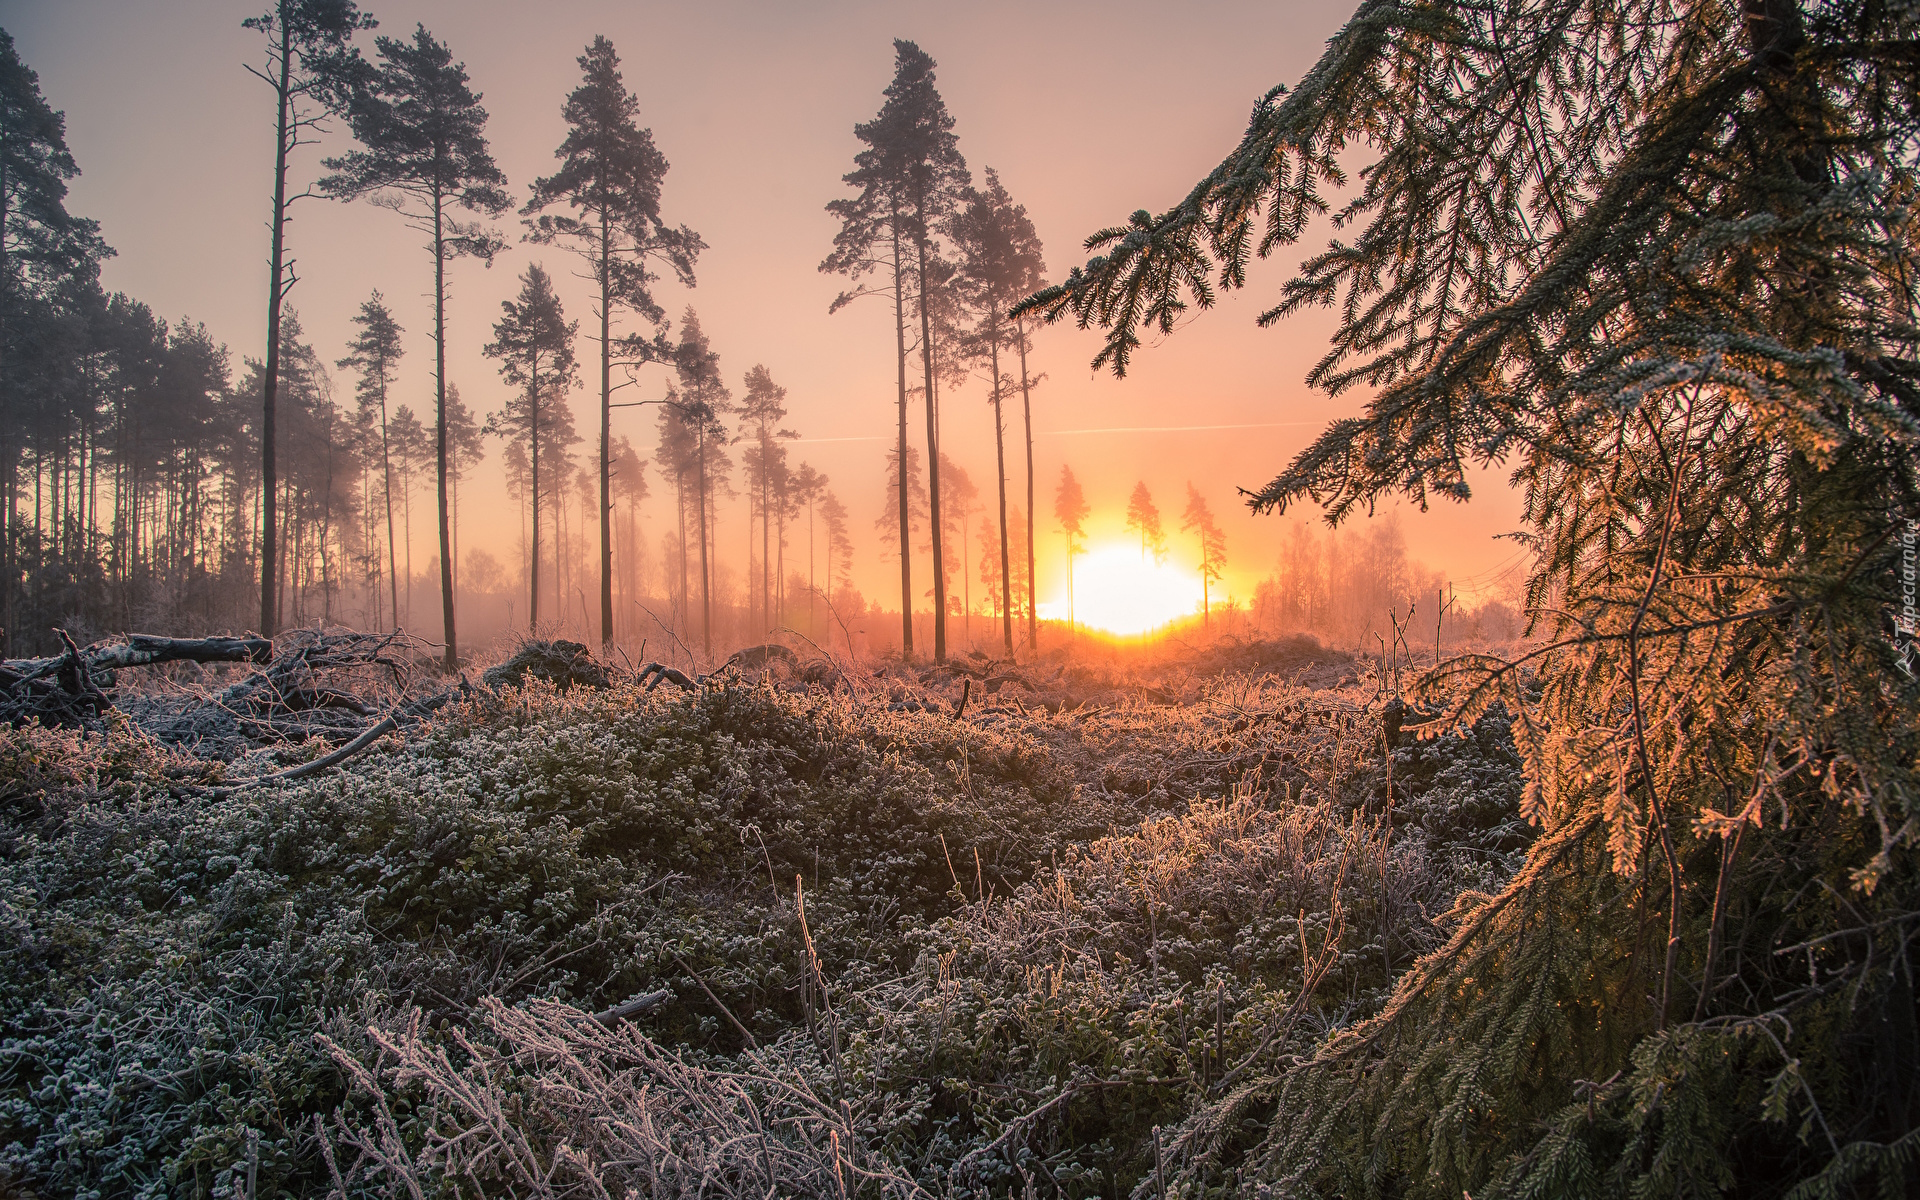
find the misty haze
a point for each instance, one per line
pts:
(854, 600)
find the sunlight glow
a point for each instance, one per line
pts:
(1118, 591)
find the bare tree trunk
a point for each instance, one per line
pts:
(933, 460)
(706, 568)
(1000, 478)
(440, 435)
(533, 420)
(906, 535)
(606, 437)
(1026, 411)
(276, 291)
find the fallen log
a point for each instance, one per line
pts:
(69, 689)
(140, 650)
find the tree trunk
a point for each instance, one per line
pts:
(276, 291)
(386, 467)
(1026, 411)
(440, 433)
(706, 570)
(1000, 475)
(533, 424)
(606, 435)
(933, 453)
(906, 534)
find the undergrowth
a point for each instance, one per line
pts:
(950, 954)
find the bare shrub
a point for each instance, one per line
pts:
(547, 1103)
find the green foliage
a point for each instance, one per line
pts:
(1658, 259)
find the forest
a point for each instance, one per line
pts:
(339, 858)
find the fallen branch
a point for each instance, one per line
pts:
(385, 725)
(652, 674)
(629, 1009)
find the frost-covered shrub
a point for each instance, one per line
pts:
(174, 957)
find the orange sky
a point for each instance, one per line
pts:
(1088, 111)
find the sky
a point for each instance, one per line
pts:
(1088, 111)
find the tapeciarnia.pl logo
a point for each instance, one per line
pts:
(1906, 620)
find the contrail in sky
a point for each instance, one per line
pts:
(1110, 429)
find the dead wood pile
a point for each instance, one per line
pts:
(309, 682)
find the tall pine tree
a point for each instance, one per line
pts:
(534, 342)
(424, 154)
(1000, 265)
(375, 352)
(910, 177)
(49, 260)
(312, 67)
(1070, 508)
(610, 177)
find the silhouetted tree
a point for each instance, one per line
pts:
(1071, 510)
(466, 447)
(311, 67)
(695, 438)
(425, 152)
(48, 277)
(610, 177)
(1000, 265)
(1144, 518)
(910, 176)
(914, 487)
(833, 515)
(375, 352)
(534, 343)
(629, 474)
(807, 488)
(962, 501)
(874, 240)
(1198, 520)
(762, 408)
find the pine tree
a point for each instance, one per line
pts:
(762, 408)
(1144, 518)
(375, 352)
(48, 259)
(697, 410)
(629, 474)
(312, 68)
(610, 176)
(833, 514)
(424, 153)
(1000, 264)
(1198, 520)
(1071, 510)
(466, 447)
(914, 487)
(534, 343)
(962, 501)
(873, 241)
(910, 178)
(808, 488)
(1659, 260)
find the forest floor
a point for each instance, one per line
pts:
(799, 927)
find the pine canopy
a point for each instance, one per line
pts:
(1657, 259)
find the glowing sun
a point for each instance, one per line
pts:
(1117, 590)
